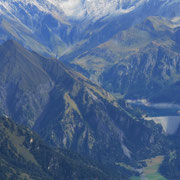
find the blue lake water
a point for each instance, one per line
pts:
(166, 114)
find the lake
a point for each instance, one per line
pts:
(166, 114)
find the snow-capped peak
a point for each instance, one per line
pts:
(77, 9)
(91, 9)
(96, 8)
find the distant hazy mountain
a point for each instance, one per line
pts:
(69, 111)
(24, 156)
(149, 62)
(91, 9)
(56, 27)
(141, 62)
(78, 9)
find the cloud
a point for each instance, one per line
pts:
(144, 102)
(73, 8)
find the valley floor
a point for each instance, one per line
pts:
(151, 171)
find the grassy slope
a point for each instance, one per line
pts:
(23, 154)
(151, 171)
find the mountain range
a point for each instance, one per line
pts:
(89, 9)
(66, 70)
(97, 39)
(140, 62)
(57, 27)
(69, 111)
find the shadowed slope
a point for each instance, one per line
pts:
(69, 111)
(24, 156)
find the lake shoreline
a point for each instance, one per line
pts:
(166, 114)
